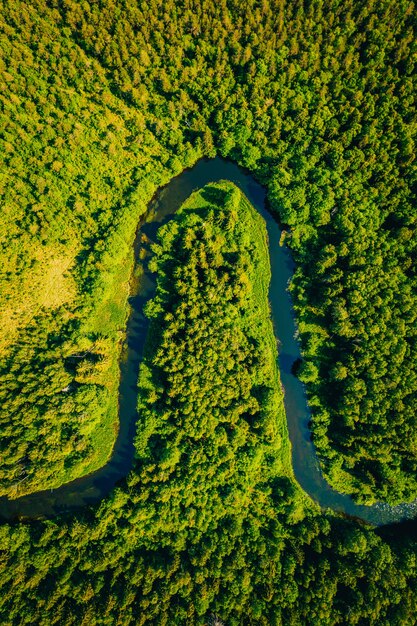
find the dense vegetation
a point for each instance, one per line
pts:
(101, 102)
(207, 528)
(75, 181)
(209, 397)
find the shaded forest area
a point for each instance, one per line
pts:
(101, 103)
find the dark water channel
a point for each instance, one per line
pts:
(94, 487)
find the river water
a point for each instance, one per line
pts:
(94, 487)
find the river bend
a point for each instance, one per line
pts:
(94, 487)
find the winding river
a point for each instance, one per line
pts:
(94, 487)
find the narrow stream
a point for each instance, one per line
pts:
(94, 487)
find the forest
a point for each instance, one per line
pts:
(103, 102)
(214, 402)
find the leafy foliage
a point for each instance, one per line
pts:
(207, 528)
(100, 104)
(318, 103)
(210, 405)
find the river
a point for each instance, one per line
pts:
(94, 487)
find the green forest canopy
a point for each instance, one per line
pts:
(210, 524)
(101, 104)
(209, 389)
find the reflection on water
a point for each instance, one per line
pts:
(94, 487)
